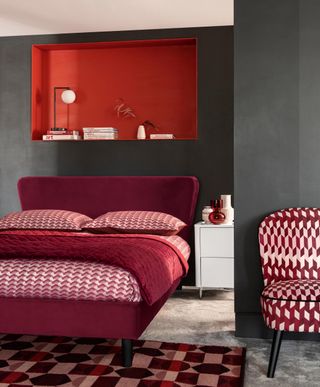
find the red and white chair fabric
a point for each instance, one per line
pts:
(289, 243)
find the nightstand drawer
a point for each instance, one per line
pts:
(217, 272)
(216, 242)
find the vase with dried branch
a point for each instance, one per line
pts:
(145, 126)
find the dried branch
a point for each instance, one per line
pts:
(123, 110)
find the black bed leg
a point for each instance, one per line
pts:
(126, 351)
(276, 344)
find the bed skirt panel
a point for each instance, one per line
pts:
(78, 318)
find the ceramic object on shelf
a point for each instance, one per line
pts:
(217, 216)
(141, 133)
(205, 213)
(227, 209)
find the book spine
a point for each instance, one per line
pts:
(102, 133)
(61, 137)
(99, 135)
(100, 139)
(63, 132)
(162, 136)
(99, 130)
(56, 132)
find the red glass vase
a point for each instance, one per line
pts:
(216, 216)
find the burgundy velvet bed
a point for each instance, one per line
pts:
(94, 196)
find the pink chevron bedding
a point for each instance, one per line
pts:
(76, 279)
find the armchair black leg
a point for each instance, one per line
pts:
(276, 344)
(126, 352)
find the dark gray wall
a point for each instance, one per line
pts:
(309, 99)
(210, 158)
(277, 136)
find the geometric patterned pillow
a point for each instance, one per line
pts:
(136, 222)
(44, 219)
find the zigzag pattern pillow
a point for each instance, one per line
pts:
(136, 222)
(44, 220)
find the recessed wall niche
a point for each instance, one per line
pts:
(156, 79)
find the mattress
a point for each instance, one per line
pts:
(73, 279)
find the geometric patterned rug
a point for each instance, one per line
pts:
(83, 362)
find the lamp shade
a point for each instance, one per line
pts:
(68, 96)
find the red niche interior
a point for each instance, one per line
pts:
(157, 79)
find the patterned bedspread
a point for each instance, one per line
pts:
(72, 279)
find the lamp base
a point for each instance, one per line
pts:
(58, 129)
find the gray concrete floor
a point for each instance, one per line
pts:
(186, 318)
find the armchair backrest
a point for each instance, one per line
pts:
(289, 243)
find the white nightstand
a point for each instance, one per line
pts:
(214, 256)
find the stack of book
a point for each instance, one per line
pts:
(100, 133)
(61, 134)
(161, 136)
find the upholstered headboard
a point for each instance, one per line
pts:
(95, 195)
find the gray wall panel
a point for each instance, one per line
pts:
(309, 138)
(266, 136)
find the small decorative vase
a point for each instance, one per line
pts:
(216, 216)
(205, 213)
(227, 209)
(141, 133)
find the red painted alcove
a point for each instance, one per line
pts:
(156, 78)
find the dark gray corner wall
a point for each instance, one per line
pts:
(309, 138)
(266, 136)
(210, 158)
(277, 131)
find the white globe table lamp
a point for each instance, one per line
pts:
(68, 96)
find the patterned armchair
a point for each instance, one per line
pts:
(290, 255)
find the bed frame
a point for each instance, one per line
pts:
(93, 196)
